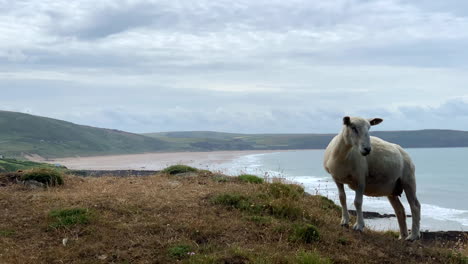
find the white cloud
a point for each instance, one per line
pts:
(239, 65)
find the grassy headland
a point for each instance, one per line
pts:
(191, 217)
(23, 134)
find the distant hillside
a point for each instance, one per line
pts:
(204, 141)
(23, 134)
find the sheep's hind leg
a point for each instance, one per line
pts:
(410, 191)
(401, 215)
(344, 207)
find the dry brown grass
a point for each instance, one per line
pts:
(147, 219)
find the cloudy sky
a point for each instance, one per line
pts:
(249, 66)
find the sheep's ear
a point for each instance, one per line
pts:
(346, 121)
(375, 121)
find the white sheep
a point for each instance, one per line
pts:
(374, 167)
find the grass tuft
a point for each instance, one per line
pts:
(180, 251)
(458, 258)
(328, 204)
(49, 177)
(284, 209)
(306, 233)
(69, 217)
(178, 169)
(220, 178)
(250, 178)
(282, 190)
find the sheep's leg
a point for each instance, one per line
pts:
(359, 225)
(401, 215)
(344, 207)
(410, 191)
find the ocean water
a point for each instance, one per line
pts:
(441, 176)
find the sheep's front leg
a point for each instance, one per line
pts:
(344, 207)
(359, 225)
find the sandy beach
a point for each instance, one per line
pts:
(153, 161)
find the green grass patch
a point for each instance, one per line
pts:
(13, 165)
(284, 209)
(328, 204)
(281, 190)
(458, 258)
(237, 201)
(250, 178)
(310, 258)
(392, 234)
(305, 233)
(69, 217)
(259, 220)
(280, 208)
(49, 177)
(6, 233)
(180, 251)
(178, 169)
(343, 241)
(220, 178)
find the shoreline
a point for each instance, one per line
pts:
(154, 161)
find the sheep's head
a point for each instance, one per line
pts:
(356, 132)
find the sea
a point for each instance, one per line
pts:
(441, 177)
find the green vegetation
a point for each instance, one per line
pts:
(178, 169)
(279, 190)
(47, 176)
(328, 204)
(24, 134)
(12, 165)
(6, 233)
(180, 251)
(250, 178)
(69, 217)
(306, 233)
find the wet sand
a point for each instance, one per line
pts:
(154, 161)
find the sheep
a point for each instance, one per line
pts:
(373, 167)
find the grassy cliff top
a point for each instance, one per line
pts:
(186, 216)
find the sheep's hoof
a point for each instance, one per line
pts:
(358, 227)
(413, 237)
(345, 222)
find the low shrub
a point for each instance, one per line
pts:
(250, 178)
(178, 169)
(69, 217)
(306, 233)
(49, 177)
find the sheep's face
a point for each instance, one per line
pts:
(356, 132)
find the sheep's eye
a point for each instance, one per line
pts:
(355, 130)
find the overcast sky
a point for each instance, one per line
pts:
(249, 66)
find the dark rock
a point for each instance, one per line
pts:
(370, 215)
